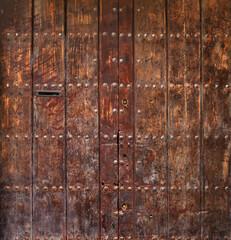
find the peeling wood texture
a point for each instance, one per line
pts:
(115, 119)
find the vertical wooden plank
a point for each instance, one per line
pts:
(216, 115)
(82, 120)
(49, 120)
(126, 115)
(150, 120)
(184, 118)
(108, 88)
(15, 115)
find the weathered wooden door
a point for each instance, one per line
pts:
(115, 119)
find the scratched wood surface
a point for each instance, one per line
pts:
(137, 146)
(49, 120)
(184, 118)
(108, 115)
(150, 119)
(15, 115)
(126, 115)
(82, 120)
(216, 220)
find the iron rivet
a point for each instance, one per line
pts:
(16, 188)
(195, 35)
(171, 35)
(121, 60)
(146, 137)
(36, 136)
(114, 110)
(122, 187)
(139, 137)
(161, 35)
(216, 137)
(206, 187)
(187, 85)
(162, 86)
(104, 34)
(114, 85)
(178, 35)
(138, 60)
(138, 35)
(113, 60)
(45, 137)
(7, 85)
(138, 85)
(121, 111)
(195, 85)
(45, 188)
(226, 136)
(16, 136)
(188, 137)
(121, 162)
(216, 86)
(138, 111)
(206, 85)
(53, 137)
(187, 35)
(114, 9)
(78, 188)
(60, 188)
(16, 34)
(171, 137)
(153, 35)
(113, 34)
(121, 35)
(45, 85)
(94, 9)
(146, 85)
(226, 86)
(226, 188)
(216, 188)
(129, 137)
(114, 136)
(70, 85)
(196, 137)
(60, 136)
(121, 85)
(87, 137)
(95, 60)
(105, 137)
(115, 162)
(154, 86)
(162, 137)
(154, 137)
(79, 85)
(145, 35)
(45, 34)
(96, 110)
(129, 86)
(129, 34)
(146, 188)
(7, 136)
(171, 85)
(60, 34)
(105, 188)
(26, 84)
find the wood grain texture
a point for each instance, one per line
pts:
(49, 120)
(82, 120)
(126, 115)
(184, 118)
(15, 119)
(150, 119)
(108, 88)
(216, 114)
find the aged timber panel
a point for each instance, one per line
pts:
(15, 115)
(150, 202)
(49, 116)
(108, 89)
(126, 115)
(216, 221)
(82, 120)
(184, 118)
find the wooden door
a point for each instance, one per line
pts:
(115, 119)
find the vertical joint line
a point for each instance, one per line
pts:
(201, 116)
(99, 119)
(133, 125)
(167, 116)
(118, 118)
(65, 103)
(32, 118)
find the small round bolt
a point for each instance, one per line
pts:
(121, 35)
(113, 34)
(105, 137)
(113, 60)
(129, 34)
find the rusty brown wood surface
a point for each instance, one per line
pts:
(48, 120)
(137, 144)
(82, 120)
(184, 118)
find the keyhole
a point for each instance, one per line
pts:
(125, 102)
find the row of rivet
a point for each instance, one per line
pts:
(106, 137)
(86, 85)
(139, 188)
(153, 237)
(114, 34)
